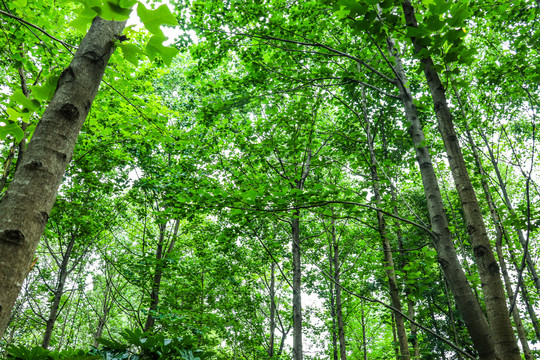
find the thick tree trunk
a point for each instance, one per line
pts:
(493, 290)
(58, 292)
(26, 205)
(297, 282)
(466, 301)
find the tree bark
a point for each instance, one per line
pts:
(297, 282)
(466, 302)
(27, 203)
(388, 262)
(339, 309)
(530, 263)
(335, 355)
(499, 233)
(525, 295)
(488, 269)
(272, 309)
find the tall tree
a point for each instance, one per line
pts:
(27, 203)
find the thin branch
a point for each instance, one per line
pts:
(65, 44)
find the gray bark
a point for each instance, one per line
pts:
(466, 301)
(297, 293)
(388, 262)
(499, 233)
(27, 203)
(488, 269)
(339, 309)
(272, 310)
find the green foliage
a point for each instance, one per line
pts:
(138, 345)
(22, 352)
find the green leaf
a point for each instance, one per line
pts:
(434, 23)
(131, 53)
(15, 115)
(19, 98)
(153, 19)
(19, 3)
(46, 91)
(414, 32)
(459, 15)
(155, 46)
(13, 129)
(113, 10)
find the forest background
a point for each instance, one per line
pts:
(280, 180)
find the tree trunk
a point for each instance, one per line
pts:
(335, 355)
(58, 292)
(156, 282)
(530, 264)
(364, 340)
(466, 302)
(525, 295)
(339, 309)
(499, 233)
(106, 306)
(272, 309)
(158, 274)
(410, 303)
(388, 262)
(297, 281)
(27, 203)
(494, 296)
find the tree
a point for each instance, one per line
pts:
(26, 205)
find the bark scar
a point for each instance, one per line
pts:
(12, 236)
(69, 111)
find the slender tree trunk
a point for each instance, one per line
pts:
(26, 205)
(530, 263)
(272, 309)
(525, 295)
(297, 265)
(410, 303)
(364, 340)
(388, 262)
(106, 306)
(515, 313)
(156, 282)
(58, 292)
(451, 318)
(395, 342)
(158, 274)
(493, 290)
(332, 294)
(531, 311)
(466, 301)
(297, 282)
(339, 309)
